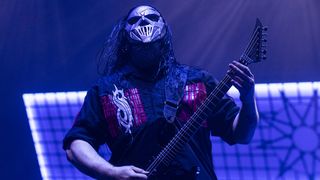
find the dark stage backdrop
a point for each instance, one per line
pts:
(51, 46)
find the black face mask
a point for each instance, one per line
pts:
(146, 57)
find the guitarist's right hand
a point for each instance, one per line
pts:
(128, 172)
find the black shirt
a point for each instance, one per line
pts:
(126, 112)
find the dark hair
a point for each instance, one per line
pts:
(114, 53)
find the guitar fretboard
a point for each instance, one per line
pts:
(191, 126)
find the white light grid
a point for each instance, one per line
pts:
(50, 115)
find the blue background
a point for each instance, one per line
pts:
(51, 46)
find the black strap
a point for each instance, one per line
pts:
(174, 88)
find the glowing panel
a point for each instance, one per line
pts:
(285, 145)
(50, 116)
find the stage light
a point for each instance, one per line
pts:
(283, 108)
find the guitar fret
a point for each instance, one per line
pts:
(198, 117)
(162, 157)
(193, 125)
(211, 106)
(206, 108)
(172, 151)
(170, 156)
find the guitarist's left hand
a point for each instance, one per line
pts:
(246, 121)
(243, 80)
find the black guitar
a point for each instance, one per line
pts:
(254, 52)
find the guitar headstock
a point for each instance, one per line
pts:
(256, 49)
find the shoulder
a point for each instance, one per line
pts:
(107, 79)
(105, 84)
(196, 74)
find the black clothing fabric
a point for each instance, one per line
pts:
(98, 121)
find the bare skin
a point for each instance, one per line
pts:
(247, 119)
(87, 160)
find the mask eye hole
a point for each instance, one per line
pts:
(153, 17)
(133, 20)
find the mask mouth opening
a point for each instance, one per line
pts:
(145, 32)
(145, 25)
(145, 35)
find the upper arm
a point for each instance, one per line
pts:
(88, 125)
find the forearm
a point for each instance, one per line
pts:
(86, 159)
(245, 122)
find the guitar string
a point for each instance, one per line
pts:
(184, 130)
(187, 127)
(162, 157)
(222, 81)
(258, 30)
(204, 106)
(174, 141)
(249, 51)
(254, 34)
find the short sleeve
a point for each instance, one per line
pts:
(88, 124)
(221, 120)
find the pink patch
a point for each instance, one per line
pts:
(194, 95)
(110, 114)
(139, 115)
(110, 110)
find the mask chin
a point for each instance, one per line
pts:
(146, 56)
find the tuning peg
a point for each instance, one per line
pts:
(264, 57)
(265, 28)
(264, 40)
(263, 51)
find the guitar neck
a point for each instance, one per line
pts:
(254, 52)
(191, 126)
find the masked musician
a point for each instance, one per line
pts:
(142, 100)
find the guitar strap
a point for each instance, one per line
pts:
(174, 88)
(174, 91)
